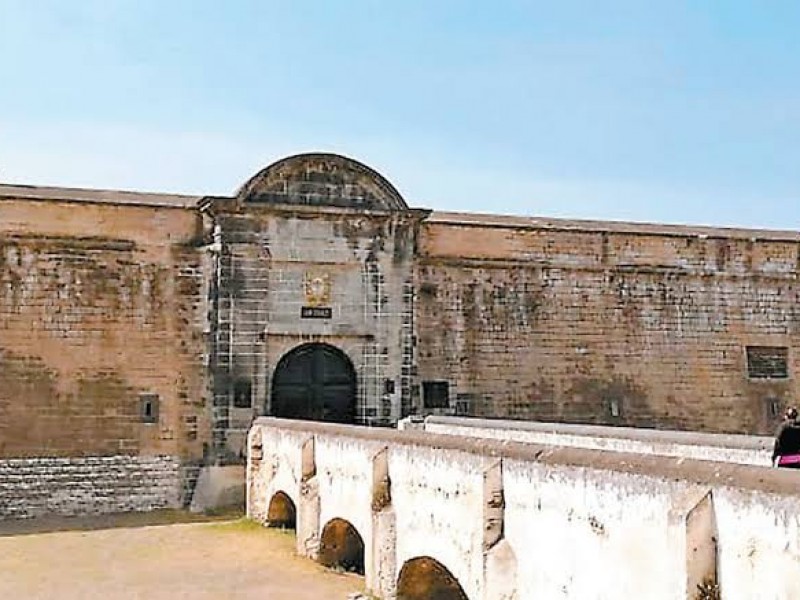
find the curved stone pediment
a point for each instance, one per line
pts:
(320, 179)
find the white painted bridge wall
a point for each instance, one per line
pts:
(436, 498)
(739, 449)
(576, 524)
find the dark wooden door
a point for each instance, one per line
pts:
(315, 382)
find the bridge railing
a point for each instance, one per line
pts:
(741, 449)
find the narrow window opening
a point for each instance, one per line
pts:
(463, 404)
(613, 406)
(148, 408)
(773, 407)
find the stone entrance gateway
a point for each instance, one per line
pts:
(315, 382)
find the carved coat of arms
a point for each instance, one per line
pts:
(317, 287)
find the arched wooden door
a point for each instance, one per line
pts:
(315, 382)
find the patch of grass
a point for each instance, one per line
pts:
(229, 512)
(171, 517)
(245, 525)
(104, 521)
(241, 525)
(283, 531)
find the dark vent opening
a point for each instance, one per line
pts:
(436, 394)
(242, 394)
(767, 362)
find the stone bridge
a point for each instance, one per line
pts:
(439, 517)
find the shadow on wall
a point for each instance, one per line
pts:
(425, 578)
(282, 512)
(342, 547)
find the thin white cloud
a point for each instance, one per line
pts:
(193, 162)
(123, 157)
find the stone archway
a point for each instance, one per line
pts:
(315, 382)
(425, 578)
(282, 512)
(341, 546)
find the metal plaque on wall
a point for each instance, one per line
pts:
(316, 312)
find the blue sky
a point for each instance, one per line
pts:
(667, 111)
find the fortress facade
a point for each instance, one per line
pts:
(144, 332)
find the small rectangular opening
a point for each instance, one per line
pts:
(613, 407)
(148, 408)
(463, 404)
(242, 394)
(436, 394)
(767, 362)
(773, 406)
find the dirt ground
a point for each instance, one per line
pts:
(121, 559)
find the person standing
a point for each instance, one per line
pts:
(786, 453)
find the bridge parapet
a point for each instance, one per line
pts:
(491, 519)
(741, 449)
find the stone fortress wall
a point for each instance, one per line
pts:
(610, 323)
(101, 350)
(153, 325)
